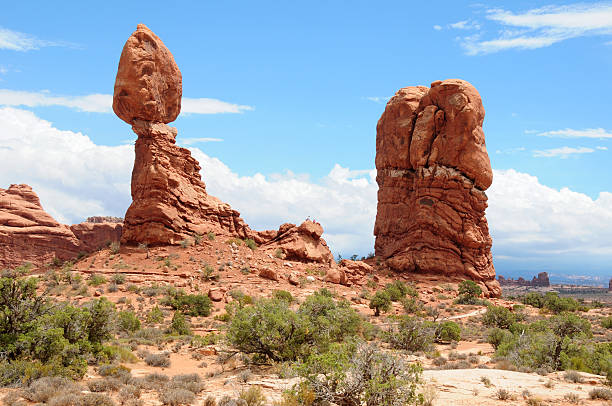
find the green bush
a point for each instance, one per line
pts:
(397, 290)
(283, 295)
(96, 280)
(155, 316)
(179, 325)
(411, 305)
(496, 336)
(411, 334)
(533, 299)
(380, 302)
(498, 316)
(118, 279)
(556, 304)
(128, 322)
(192, 305)
(469, 292)
(359, 374)
(447, 331)
(251, 244)
(606, 322)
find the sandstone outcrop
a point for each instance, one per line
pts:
(432, 172)
(541, 280)
(149, 85)
(29, 234)
(299, 243)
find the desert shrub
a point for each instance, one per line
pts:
(96, 280)
(533, 299)
(253, 396)
(155, 316)
(118, 279)
(600, 393)
(380, 302)
(250, 243)
(158, 360)
(469, 292)
(503, 394)
(496, 336)
(190, 382)
(210, 401)
(411, 305)
(128, 322)
(104, 385)
(115, 247)
(112, 288)
(429, 395)
(606, 322)
(556, 304)
(498, 316)
(179, 325)
(129, 392)
(572, 398)
(43, 389)
(356, 374)
(411, 334)
(177, 397)
(396, 290)
(283, 295)
(447, 331)
(193, 305)
(269, 329)
(573, 376)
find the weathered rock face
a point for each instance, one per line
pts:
(29, 234)
(299, 243)
(149, 84)
(433, 169)
(95, 235)
(170, 202)
(541, 280)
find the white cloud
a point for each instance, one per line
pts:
(76, 178)
(601, 148)
(571, 133)
(530, 220)
(542, 27)
(19, 41)
(191, 141)
(563, 152)
(378, 99)
(437, 27)
(510, 151)
(465, 25)
(102, 103)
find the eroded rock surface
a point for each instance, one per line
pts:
(29, 234)
(433, 169)
(170, 202)
(299, 243)
(149, 84)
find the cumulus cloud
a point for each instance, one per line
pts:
(563, 152)
(75, 178)
(378, 99)
(102, 103)
(191, 141)
(571, 133)
(541, 27)
(19, 41)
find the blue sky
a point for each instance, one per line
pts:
(297, 90)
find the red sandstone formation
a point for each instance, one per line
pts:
(149, 84)
(29, 234)
(433, 169)
(299, 243)
(541, 280)
(169, 199)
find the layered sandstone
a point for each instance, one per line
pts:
(170, 202)
(541, 280)
(29, 234)
(432, 172)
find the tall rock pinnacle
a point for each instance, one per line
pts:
(433, 169)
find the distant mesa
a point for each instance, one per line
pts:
(540, 281)
(29, 234)
(432, 172)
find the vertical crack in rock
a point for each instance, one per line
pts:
(433, 169)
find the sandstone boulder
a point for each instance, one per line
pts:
(432, 172)
(149, 83)
(95, 235)
(301, 243)
(268, 273)
(336, 275)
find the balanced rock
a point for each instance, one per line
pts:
(149, 83)
(432, 172)
(29, 234)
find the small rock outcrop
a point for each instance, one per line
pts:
(169, 199)
(540, 281)
(432, 172)
(299, 243)
(29, 234)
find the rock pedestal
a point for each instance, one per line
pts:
(433, 170)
